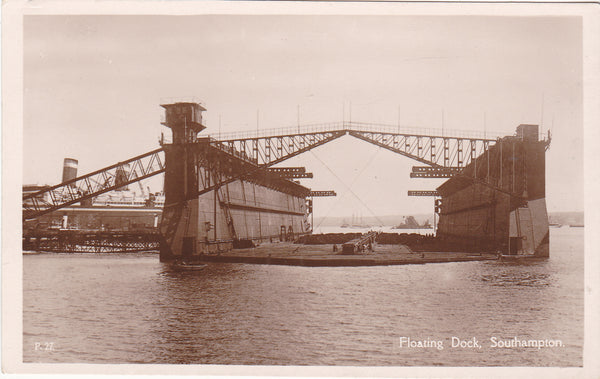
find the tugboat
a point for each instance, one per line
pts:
(187, 266)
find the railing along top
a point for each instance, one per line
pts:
(359, 127)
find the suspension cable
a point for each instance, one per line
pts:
(348, 187)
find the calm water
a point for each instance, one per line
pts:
(132, 309)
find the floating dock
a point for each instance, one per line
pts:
(223, 196)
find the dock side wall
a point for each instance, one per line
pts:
(498, 201)
(199, 219)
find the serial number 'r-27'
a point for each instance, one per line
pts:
(44, 346)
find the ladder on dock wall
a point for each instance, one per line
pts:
(171, 217)
(227, 212)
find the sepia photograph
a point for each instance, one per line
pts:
(249, 186)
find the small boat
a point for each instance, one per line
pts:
(516, 257)
(183, 266)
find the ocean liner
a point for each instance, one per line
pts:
(120, 210)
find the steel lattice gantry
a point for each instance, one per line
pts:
(93, 184)
(434, 150)
(270, 150)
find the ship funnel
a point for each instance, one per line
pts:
(69, 169)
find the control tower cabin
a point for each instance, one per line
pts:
(185, 121)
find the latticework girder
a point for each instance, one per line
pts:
(431, 147)
(453, 149)
(322, 193)
(93, 184)
(81, 241)
(291, 172)
(270, 150)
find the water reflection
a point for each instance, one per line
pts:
(133, 309)
(509, 279)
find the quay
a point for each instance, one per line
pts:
(287, 253)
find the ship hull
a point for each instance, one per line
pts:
(97, 218)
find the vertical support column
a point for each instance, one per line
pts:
(486, 147)
(501, 163)
(474, 157)
(178, 227)
(255, 149)
(312, 216)
(216, 179)
(267, 150)
(446, 158)
(533, 156)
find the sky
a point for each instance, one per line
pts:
(93, 85)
